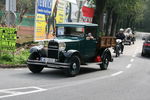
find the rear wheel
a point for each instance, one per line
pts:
(74, 66)
(105, 63)
(35, 68)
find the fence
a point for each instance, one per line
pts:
(25, 29)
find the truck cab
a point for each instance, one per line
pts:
(75, 44)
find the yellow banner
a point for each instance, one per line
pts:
(40, 29)
(60, 11)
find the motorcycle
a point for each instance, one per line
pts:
(117, 48)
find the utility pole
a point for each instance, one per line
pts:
(10, 14)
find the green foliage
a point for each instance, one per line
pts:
(16, 59)
(2, 4)
(26, 4)
(144, 25)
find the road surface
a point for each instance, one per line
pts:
(127, 78)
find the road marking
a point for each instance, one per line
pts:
(129, 66)
(17, 91)
(118, 73)
(131, 60)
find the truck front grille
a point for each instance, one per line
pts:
(53, 49)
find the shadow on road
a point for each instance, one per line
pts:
(85, 70)
(143, 57)
(54, 73)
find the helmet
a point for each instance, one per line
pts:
(121, 29)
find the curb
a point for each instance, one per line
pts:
(13, 66)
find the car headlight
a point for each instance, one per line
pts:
(62, 46)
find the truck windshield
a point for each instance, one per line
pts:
(70, 31)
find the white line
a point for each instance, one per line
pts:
(14, 91)
(129, 66)
(118, 73)
(131, 60)
(10, 89)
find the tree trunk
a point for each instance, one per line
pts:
(114, 24)
(22, 13)
(109, 21)
(128, 21)
(99, 14)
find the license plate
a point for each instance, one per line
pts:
(48, 60)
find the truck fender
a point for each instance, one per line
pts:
(69, 53)
(108, 53)
(35, 48)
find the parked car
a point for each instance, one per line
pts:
(72, 47)
(146, 46)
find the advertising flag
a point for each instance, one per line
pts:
(88, 11)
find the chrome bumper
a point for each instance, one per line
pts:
(48, 64)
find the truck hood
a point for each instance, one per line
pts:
(60, 40)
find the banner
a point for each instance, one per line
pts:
(43, 19)
(44, 7)
(71, 12)
(88, 14)
(60, 17)
(8, 38)
(88, 11)
(50, 12)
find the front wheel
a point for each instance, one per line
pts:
(105, 63)
(129, 43)
(35, 68)
(74, 66)
(117, 51)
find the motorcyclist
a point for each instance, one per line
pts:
(120, 35)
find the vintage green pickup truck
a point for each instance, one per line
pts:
(75, 44)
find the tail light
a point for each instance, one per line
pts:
(98, 59)
(146, 44)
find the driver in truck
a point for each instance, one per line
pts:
(89, 36)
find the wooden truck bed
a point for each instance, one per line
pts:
(107, 41)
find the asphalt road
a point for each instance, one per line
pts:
(127, 78)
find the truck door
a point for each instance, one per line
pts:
(89, 48)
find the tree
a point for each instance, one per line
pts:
(145, 23)
(120, 13)
(25, 6)
(2, 4)
(99, 13)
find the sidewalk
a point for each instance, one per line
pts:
(13, 66)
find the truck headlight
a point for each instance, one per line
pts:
(62, 46)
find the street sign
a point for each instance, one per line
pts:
(8, 39)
